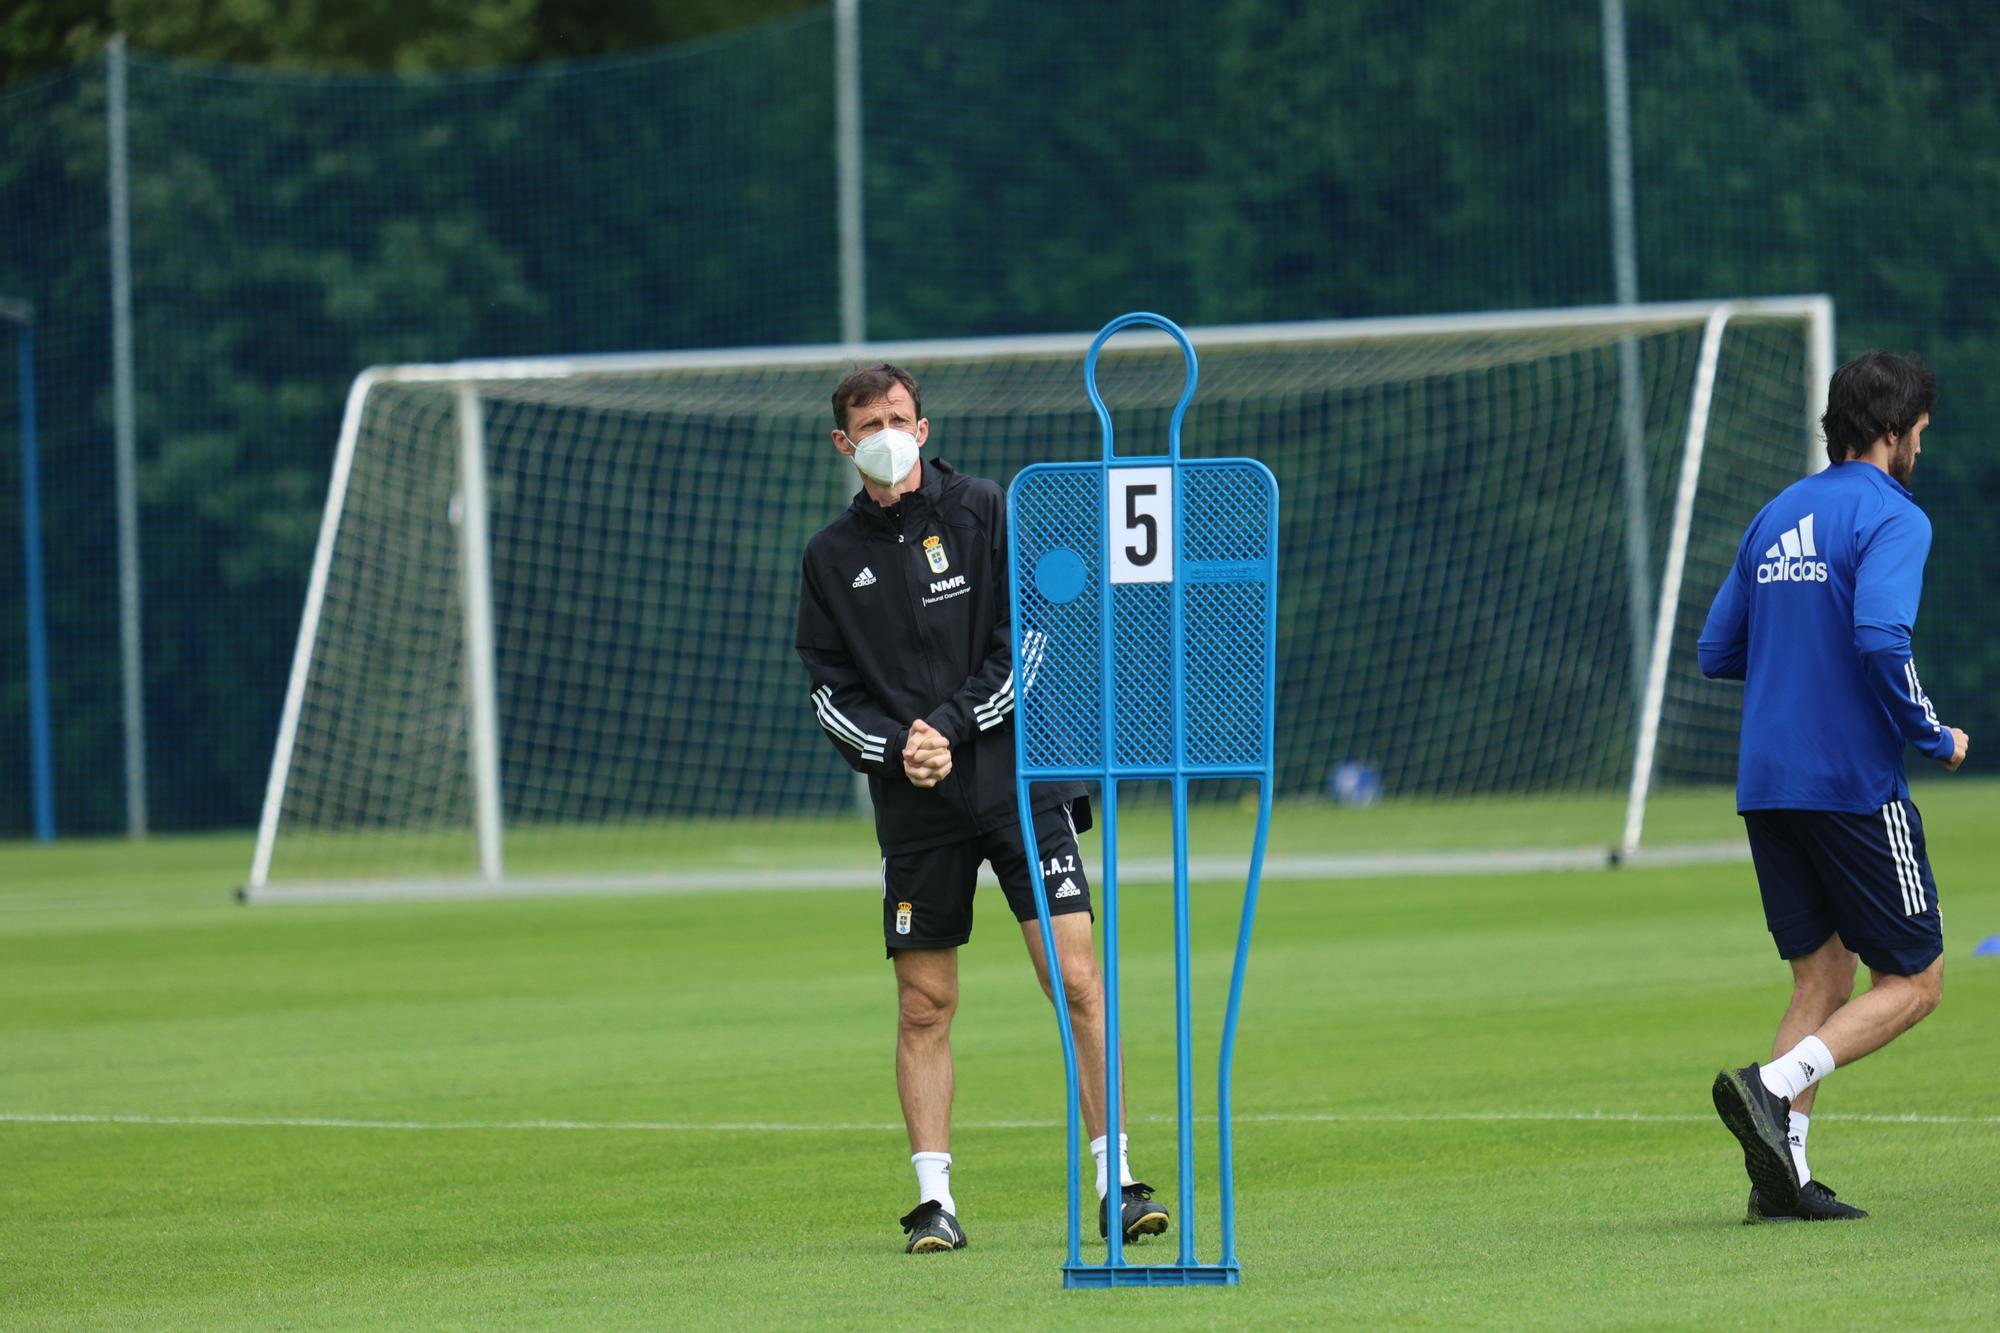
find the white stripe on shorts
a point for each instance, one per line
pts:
(1910, 856)
(1907, 876)
(1895, 857)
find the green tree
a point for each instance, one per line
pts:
(1029, 167)
(405, 36)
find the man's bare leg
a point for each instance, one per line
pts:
(1085, 989)
(1890, 1007)
(1805, 1052)
(1863, 1025)
(926, 999)
(1822, 981)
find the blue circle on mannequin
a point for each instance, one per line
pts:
(1060, 576)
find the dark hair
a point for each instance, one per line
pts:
(867, 383)
(1873, 395)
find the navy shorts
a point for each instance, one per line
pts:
(927, 895)
(1866, 878)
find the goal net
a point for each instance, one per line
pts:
(548, 638)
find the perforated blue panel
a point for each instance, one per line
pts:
(1229, 562)
(1225, 712)
(1225, 571)
(1142, 616)
(1058, 646)
(1226, 510)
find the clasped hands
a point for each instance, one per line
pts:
(926, 755)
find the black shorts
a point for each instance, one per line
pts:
(1866, 878)
(927, 895)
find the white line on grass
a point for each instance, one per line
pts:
(873, 1127)
(1131, 871)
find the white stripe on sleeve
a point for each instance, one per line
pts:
(841, 727)
(1034, 644)
(1918, 696)
(990, 713)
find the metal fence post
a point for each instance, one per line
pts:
(41, 748)
(125, 450)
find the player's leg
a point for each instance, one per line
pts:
(1802, 926)
(1070, 918)
(1068, 889)
(1884, 899)
(1893, 1005)
(1884, 903)
(926, 916)
(1822, 981)
(926, 1000)
(1083, 986)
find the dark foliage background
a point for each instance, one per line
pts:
(314, 191)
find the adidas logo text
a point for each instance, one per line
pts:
(865, 578)
(1789, 559)
(1808, 1068)
(1068, 889)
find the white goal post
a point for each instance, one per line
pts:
(549, 608)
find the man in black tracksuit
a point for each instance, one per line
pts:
(903, 625)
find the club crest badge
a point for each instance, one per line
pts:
(934, 552)
(902, 918)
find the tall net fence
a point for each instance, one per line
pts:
(53, 255)
(1230, 162)
(1456, 603)
(288, 230)
(1025, 168)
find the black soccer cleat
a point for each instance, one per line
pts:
(1143, 1217)
(1816, 1204)
(931, 1229)
(1761, 1122)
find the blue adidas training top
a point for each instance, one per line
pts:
(1815, 619)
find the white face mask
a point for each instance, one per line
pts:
(887, 456)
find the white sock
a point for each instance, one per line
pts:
(1099, 1150)
(934, 1179)
(1800, 1124)
(1798, 1069)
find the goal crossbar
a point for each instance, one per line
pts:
(1810, 310)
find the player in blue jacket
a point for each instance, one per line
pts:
(1815, 619)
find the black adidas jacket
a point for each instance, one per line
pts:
(903, 614)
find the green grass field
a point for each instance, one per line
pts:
(1462, 1101)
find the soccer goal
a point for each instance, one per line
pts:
(547, 641)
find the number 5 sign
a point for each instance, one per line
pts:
(1142, 524)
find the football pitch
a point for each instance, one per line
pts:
(1471, 1100)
